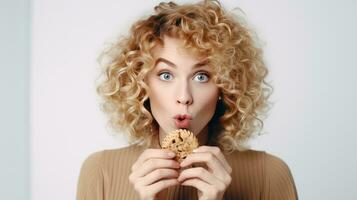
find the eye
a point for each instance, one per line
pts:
(165, 76)
(201, 77)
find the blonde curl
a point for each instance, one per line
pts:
(207, 29)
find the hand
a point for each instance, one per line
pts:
(212, 182)
(154, 171)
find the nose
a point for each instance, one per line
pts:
(184, 95)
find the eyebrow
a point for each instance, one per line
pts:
(171, 64)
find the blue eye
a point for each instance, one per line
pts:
(166, 76)
(201, 77)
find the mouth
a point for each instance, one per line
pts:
(182, 121)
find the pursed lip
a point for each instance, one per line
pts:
(184, 116)
(183, 121)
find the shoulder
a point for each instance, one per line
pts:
(259, 158)
(276, 170)
(92, 164)
(247, 157)
(275, 164)
(265, 171)
(279, 182)
(99, 162)
(106, 167)
(271, 165)
(101, 165)
(248, 166)
(101, 159)
(91, 176)
(119, 153)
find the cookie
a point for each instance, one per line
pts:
(182, 142)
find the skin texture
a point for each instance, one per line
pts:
(178, 87)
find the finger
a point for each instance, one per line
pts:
(157, 175)
(209, 159)
(198, 184)
(218, 153)
(161, 185)
(152, 164)
(197, 172)
(152, 153)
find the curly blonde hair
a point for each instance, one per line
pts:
(206, 29)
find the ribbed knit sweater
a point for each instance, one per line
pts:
(256, 175)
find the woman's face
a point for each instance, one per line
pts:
(182, 93)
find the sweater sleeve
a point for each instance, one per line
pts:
(90, 183)
(279, 183)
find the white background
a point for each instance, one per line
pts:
(310, 50)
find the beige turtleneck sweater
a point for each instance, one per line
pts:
(256, 175)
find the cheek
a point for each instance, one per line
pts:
(208, 94)
(158, 100)
(207, 100)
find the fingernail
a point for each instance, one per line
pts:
(170, 154)
(182, 164)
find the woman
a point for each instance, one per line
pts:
(192, 67)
